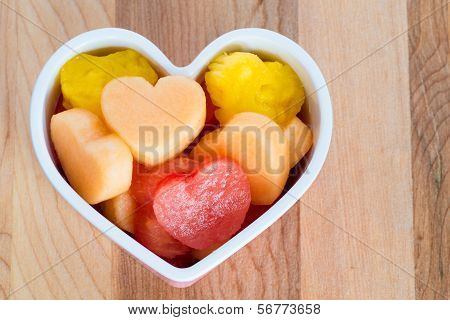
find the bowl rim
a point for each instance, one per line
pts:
(117, 37)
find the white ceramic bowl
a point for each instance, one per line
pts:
(318, 116)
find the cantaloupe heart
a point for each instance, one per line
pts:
(156, 122)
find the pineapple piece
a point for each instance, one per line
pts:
(84, 76)
(242, 82)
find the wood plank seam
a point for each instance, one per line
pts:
(430, 111)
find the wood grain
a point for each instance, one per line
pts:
(182, 28)
(364, 230)
(430, 110)
(374, 224)
(7, 98)
(45, 229)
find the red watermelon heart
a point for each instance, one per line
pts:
(204, 207)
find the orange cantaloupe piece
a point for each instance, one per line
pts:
(97, 163)
(120, 210)
(300, 140)
(259, 145)
(156, 122)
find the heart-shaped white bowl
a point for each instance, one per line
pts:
(318, 114)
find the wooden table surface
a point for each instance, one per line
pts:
(375, 223)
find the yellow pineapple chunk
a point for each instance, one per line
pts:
(242, 82)
(84, 76)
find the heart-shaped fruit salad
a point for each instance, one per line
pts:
(180, 166)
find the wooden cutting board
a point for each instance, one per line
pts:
(374, 224)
